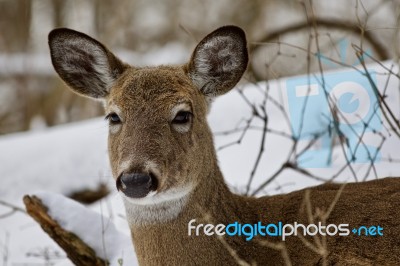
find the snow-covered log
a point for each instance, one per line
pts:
(75, 248)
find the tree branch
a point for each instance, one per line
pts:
(77, 250)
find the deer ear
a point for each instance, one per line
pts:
(219, 61)
(83, 63)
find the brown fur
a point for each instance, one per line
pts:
(144, 98)
(369, 203)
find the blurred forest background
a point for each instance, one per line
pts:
(32, 97)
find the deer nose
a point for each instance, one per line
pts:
(136, 185)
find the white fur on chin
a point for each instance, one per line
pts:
(156, 207)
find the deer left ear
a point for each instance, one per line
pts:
(219, 61)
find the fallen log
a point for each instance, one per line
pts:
(76, 249)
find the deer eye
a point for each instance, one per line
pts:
(182, 117)
(113, 118)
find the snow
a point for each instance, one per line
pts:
(65, 158)
(54, 159)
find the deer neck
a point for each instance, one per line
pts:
(210, 202)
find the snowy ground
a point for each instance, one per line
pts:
(65, 158)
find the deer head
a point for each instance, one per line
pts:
(160, 145)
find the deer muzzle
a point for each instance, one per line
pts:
(136, 185)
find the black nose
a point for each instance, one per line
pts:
(136, 185)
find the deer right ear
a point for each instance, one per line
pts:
(219, 61)
(85, 64)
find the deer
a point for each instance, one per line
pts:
(165, 166)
